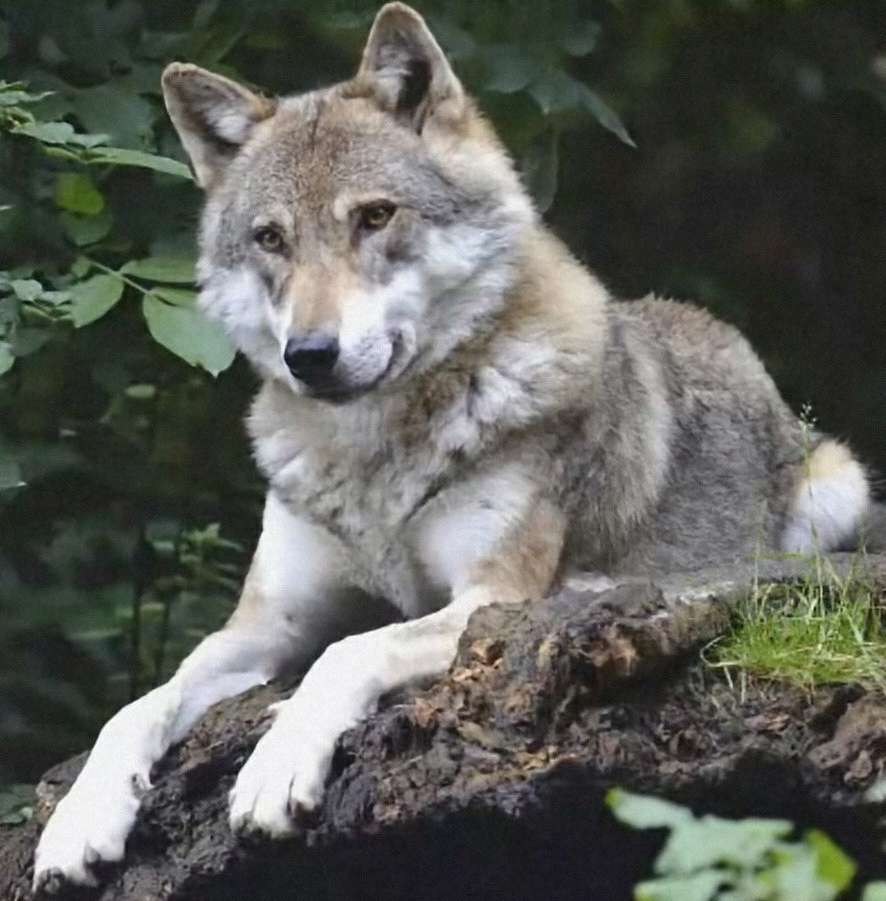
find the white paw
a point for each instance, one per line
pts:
(280, 783)
(90, 824)
(283, 779)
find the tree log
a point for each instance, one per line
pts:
(489, 782)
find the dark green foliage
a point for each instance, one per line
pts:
(757, 185)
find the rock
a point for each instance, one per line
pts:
(489, 783)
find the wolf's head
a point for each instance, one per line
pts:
(354, 234)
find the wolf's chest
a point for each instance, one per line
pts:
(368, 503)
(354, 498)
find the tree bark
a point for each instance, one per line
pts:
(489, 782)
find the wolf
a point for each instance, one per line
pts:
(453, 412)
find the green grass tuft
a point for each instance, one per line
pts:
(820, 630)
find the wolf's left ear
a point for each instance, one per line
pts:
(214, 116)
(408, 72)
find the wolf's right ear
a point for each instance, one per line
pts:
(213, 116)
(406, 70)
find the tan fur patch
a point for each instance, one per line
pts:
(251, 608)
(316, 296)
(829, 459)
(523, 565)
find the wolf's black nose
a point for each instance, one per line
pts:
(311, 358)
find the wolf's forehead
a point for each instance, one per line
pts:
(316, 152)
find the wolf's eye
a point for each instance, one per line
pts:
(375, 216)
(269, 239)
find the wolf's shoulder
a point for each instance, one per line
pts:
(680, 320)
(694, 347)
(684, 328)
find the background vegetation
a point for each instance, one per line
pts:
(709, 858)
(729, 151)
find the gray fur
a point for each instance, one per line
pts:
(497, 421)
(734, 454)
(661, 439)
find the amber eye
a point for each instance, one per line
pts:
(269, 239)
(375, 216)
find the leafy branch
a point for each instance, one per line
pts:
(60, 139)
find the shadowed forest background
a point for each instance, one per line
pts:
(731, 152)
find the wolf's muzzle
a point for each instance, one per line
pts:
(311, 358)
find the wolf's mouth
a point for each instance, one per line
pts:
(339, 394)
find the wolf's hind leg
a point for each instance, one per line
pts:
(830, 501)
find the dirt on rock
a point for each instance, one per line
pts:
(490, 782)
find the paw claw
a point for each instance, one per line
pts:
(53, 880)
(89, 826)
(278, 790)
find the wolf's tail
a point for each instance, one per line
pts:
(831, 501)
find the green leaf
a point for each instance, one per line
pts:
(794, 874)
(29, 340)
(173, 270)
(833, 865)
(77, 193)
(15, 98)
(697, 887)
(581, 40)
(556, 92)
(26, 289)
(126, 118)
(178, 297)
(86, 230)
(81, 266)
(711, 840)
(703, 856)
(56, 298)
(10, 475)
(180, 327)
(93, 297)
(17, 817)
(646, 812)
(604, 114)
(874, 891)
(7, 358)
(16, 804)
(58, 133)
(510, 69)
(89, 141)
(119, 156)
(47, 132)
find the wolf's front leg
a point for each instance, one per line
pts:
(287, 613)
(285, 775)
(91, 823)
